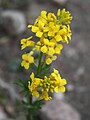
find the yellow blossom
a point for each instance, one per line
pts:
(65, 32)
(34, 85)
(27, 59)
(40, 88)
(59, 82)
(52, 31)
(64, 16)
(45, 96)
(58, 48)
(50, 58)
(27, 42)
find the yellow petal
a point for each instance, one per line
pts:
(51, 33)
(35, 93)
(23, 46)
(43, 13)
(29, 26)
(32, 76)
(48, 61)
(26, 66)
(44, 49)
(58, 38)
(46, 29)
(58, 12)
(56, 89)
(35, 29)
(51, 51)
(64, 82)
(24, 57)
(62, 89)
(31, 59)
(39, 34)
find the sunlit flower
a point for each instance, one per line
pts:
(27, 59)
(40, 88)
(27, 42)
(64, 16)
(50, 58)
(34, 85)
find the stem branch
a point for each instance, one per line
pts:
(39, 63)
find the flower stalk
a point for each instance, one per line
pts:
(52, 31)
(39, 64)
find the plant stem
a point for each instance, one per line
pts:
(29, 115)
(39, 63)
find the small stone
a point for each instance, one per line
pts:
(59, 110)
(61, 2)
(59, 96)
(13, 21)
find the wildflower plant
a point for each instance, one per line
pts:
(52, 31)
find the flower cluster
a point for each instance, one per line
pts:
(53, 83)
(52, 30)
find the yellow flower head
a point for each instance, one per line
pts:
(50, 58)
(64, 16)
(27, 59)
(27, 42)
(40, 88)
(59, 82)
(34, 85)
(52, 31)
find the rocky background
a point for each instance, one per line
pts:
(73, 63)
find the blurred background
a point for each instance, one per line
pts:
(73, 63)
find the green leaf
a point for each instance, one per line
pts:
(44, 70)
(22, 84)
(38, 103)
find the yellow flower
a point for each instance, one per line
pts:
(33, 88)
(44, 49)
(50, 58)
(53, 27)
(38, 27)
(52, 31)
(46, 86)
(58, 48)
(40, 88)
(59, 82)
(65, 32)
(45, 96)
(64, 16)
(27, 42)
(51, 17)
(27, 59)
(48, 47)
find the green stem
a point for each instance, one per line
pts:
(29, 115)
(39, 63)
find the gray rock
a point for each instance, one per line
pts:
(13, 21)
(61, 2)
(2, 114)
(59, 110)
(59, 96)
(10, 88)
(14, 4)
